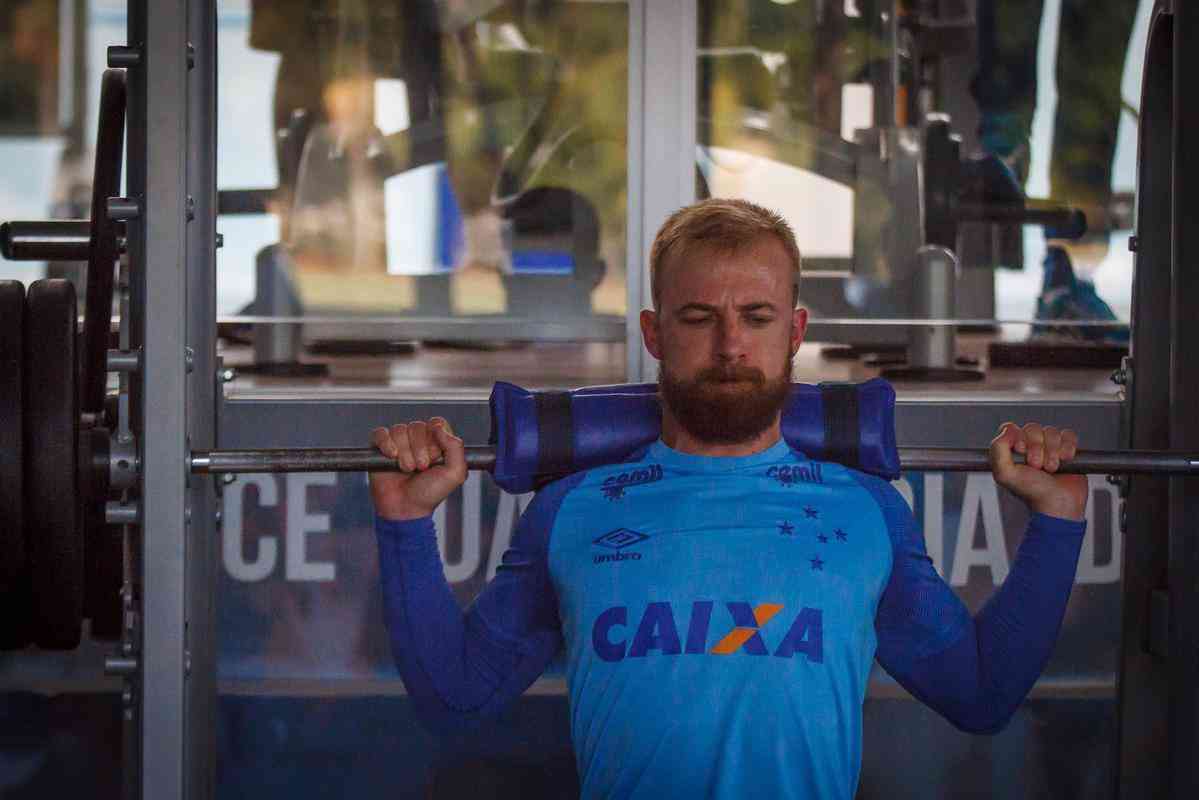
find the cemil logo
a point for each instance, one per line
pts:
(615, 485)
(658, 631)
(617, 541)
(791, 475)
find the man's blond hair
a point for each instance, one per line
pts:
(724, 225)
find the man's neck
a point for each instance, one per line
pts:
(677, 438)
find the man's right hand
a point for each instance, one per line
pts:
(415, 446)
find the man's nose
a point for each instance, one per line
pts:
(730, 344)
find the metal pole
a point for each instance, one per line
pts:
(482, 457)
(1183, 569)
(202, 565)
(663, 53)
(158, 181)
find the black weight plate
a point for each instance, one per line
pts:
(105, 558)
(14, 579)
(51, 465)
(103, 549)
(102, 245)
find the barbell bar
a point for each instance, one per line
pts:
(482, 457)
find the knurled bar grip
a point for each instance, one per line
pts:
(482, 457)
(338, 459)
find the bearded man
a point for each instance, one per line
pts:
(719, 623)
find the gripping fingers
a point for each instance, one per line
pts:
(403, 447)
(454, 450)
(1069, 444)
(1007, 440)
(1034, 445)
(381, 441)
(1053, 448)
(437, 447)
(423, 449)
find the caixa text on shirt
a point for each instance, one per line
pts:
(788, 474)
(658, 631)
(615, 485)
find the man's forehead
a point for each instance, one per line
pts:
(761, 269)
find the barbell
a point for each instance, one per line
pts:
(482, 457)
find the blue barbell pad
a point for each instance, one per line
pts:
(540, 435)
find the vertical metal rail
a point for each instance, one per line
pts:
(1143, 697)
(202, 545)
(1184, 398)
(663, 44)
(635, 253)
(159, 118)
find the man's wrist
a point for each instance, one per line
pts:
(403, 514)
(1059, 507)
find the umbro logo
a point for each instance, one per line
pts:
(616, 541)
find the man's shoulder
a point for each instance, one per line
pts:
(549, 497)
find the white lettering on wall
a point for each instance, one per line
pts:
(300, 523)
(1088, 570)
(505, 522)
(464, 567)
(934, 515)
(981, 500)
(232, 545)
(905, 490)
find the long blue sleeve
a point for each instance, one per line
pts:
(459, 667)
(974, 671)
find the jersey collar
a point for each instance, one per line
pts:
(669, 457)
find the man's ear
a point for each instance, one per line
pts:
(649, 332)
(799, 327)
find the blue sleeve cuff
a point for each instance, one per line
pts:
(1060, 526)
(405, 528)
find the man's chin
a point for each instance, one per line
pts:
(724, 411)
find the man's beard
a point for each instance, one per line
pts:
(725, 405)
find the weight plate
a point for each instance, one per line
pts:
(55, 546)
(14, 583)
(102, 246)
(103, 549)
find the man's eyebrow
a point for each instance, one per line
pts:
(757, 305)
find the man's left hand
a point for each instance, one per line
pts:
(1035, 482)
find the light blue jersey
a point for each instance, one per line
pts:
(718, 615)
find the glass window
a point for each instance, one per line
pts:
(851, 117)
(447, 174)
(30, 67)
